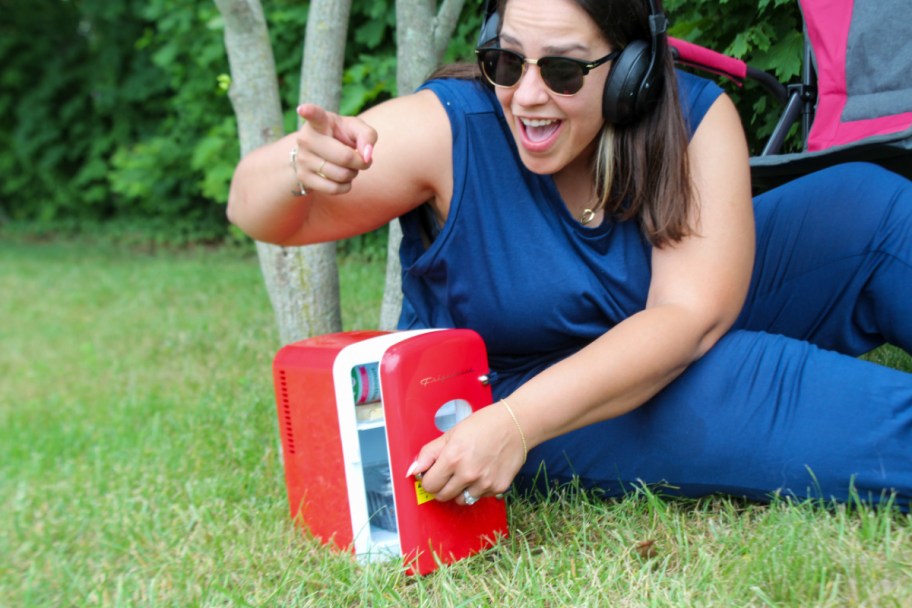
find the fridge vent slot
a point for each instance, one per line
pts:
(286, 413)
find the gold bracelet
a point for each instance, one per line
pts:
(294, 167)
(518, 428)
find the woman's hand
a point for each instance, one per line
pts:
(330, 150)
(481, 455)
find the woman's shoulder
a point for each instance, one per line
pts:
(467, 96)
(697, 94)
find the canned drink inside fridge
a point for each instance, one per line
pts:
(366, 383)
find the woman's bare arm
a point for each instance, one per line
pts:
(389, 160)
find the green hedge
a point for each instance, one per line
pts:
(114, 115)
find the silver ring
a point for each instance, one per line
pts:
(469, 499)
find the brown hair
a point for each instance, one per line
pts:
(641, 170)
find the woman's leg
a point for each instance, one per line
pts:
(834, 260)
(759, 414)
(766, 411)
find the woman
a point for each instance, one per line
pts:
(609, 263)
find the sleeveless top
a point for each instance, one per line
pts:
(511, 262)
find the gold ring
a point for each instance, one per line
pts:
(320, 170)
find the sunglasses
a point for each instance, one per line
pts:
(563, 75)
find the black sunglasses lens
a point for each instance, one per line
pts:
(503, 68)
(562, 76)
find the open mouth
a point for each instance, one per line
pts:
(538, 133)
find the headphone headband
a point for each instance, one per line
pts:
(489, 24)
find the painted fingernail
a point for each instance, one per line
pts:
(411, 469)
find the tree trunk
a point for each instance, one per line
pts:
(254, 91)
(421, 40)
(302, 282)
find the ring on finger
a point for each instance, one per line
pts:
(320, 170)
(469, 499)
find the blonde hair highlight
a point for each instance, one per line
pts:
(604, 167)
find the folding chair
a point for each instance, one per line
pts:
(854, 98)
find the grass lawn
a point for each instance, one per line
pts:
(139, 467)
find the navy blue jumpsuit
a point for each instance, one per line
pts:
(779, 405)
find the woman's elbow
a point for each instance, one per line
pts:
(230, 213)
(709, 337)
(238, 211)
(715, 323)
(235, 198)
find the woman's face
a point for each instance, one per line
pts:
(553, 132)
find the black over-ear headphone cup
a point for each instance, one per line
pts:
(622, 87)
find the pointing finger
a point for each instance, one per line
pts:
(319, 119)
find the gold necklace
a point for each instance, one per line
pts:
(588, 213)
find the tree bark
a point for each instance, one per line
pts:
(302, 282)
(254, 91)
(421, 40)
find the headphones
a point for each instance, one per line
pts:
(635, 80)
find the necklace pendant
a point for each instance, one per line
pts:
(586, 216)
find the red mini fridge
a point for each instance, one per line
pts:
(346, 455)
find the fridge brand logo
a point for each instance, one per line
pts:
(434, 379)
